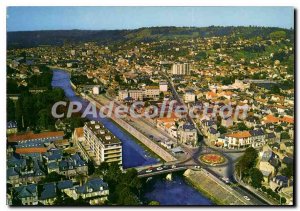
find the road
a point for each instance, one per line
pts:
(194, 157)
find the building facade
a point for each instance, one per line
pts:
(181, 69)
(101, 145)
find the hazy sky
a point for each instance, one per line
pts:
(50, 18)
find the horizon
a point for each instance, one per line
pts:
(22, 19)
(41, 30)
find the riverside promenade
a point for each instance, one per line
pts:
(162, 153)
(214, 189)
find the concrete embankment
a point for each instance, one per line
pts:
(166, 156)
(219, 193)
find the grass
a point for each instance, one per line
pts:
(204, 192)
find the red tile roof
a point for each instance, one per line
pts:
(31, 150)
(288, 119)
(79, 131)
(31, 135)
(241, 134)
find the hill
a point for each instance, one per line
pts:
(25, 39)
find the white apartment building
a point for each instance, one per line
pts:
(163, 86)
(181, 69)
(189, 97)
(101, 145)
(152, 91)
(123, 94)
(136, 94)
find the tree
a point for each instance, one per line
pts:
(276, 35)
(288, 171)
(222, 129)
(80, 178)
(91, 167)
(10, 105)
(241, 126)
(256, 177)
(52, 177)
(154, 203)
(246, 162)
(284, 135)
(283, 200)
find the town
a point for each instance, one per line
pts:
(235, 155)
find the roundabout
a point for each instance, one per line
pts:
(212, 159)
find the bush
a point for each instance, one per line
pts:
(283, 200)
(263, 188)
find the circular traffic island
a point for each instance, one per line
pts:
(212, 159)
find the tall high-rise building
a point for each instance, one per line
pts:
(100, 144)
(181, 69)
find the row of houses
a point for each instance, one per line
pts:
(96, 190)
(243, 139)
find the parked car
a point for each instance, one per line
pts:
(226, 180)
(247, 198)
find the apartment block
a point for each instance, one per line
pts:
(100, 144)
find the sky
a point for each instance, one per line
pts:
(99, 18)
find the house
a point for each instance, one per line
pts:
(168, 124)
(206, 124)
(268, 164)
(24, 170)
(270, 137)
(287, 147)
(187, 134)
(189, 96)
(212, 135)
(280, 181)
(48, 194)
(11, 127)
(94, 188)
(239, 139)
(257, 137)
(227, 122)
(28, 194)
(251, 121)
(65, 185)
(12, 176)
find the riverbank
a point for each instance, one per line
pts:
(166, 156)
(60, 68)
(151, 153)
(219, 194)
(133, 154)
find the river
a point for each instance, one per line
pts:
(175, 192)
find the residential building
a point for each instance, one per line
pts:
(11, 127)
(28, 194)
(100, 144)
(187, 134)
(151, 92)
(136, 94)
(163, 86)
(189, 97)
(181, 69)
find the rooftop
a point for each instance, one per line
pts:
(103, 134)
(30, 136)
